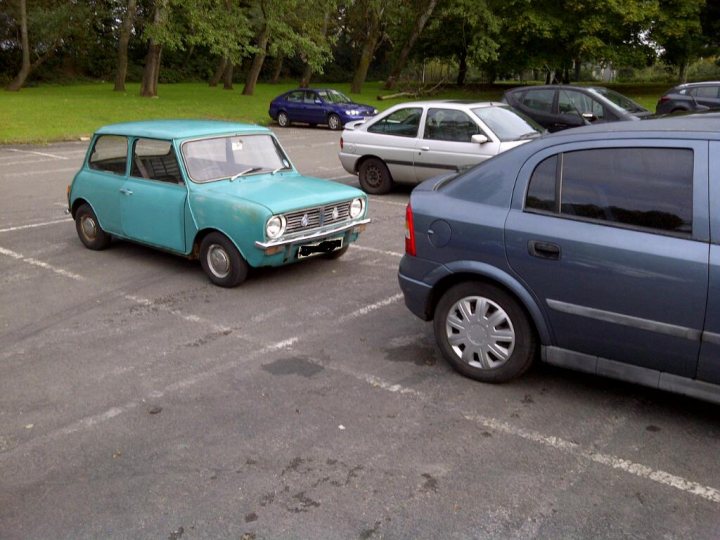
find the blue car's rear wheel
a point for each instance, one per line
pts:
(221, 261)
(283, 119)
(484, 333)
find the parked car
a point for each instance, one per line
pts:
(596, 247)
(318, 106)
(558, 107)
(411, 142)
(699, 96)
(222, 192)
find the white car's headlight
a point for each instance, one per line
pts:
(275, 226)
(356, 208)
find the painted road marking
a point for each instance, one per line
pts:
(35, 225)
(35, 153)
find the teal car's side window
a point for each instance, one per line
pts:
(155, 160)
(109, 154)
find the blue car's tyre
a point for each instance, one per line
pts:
(283, 119)
(484, 332)
(221, 261)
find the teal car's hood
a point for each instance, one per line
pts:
(284, 192)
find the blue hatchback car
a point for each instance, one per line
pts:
(317, 106)
(596, 249)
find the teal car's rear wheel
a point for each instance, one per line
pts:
(89, 230)
(221, 261)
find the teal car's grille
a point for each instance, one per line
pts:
(313, 218)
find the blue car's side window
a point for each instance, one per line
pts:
(645, 188)
(109, 154)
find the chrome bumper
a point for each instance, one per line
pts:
(315, 235)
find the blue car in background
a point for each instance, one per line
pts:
(318, 106)
(595, 249)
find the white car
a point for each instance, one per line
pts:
(411, 142)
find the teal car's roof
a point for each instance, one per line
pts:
(179, 129)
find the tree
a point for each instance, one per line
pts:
(678, 29)
(43, 30)
(123, 41)
(423, 11)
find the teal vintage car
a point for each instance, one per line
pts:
(223, 192)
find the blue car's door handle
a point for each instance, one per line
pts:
(544, 250)
(125, 191)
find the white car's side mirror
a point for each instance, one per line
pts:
(479, 138)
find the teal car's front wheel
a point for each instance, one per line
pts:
(221, 261)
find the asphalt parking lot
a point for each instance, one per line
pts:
(137, 400)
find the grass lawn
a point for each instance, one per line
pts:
(56, 113)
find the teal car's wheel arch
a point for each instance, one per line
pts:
(200, 235)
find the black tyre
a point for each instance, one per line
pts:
(89, 230)
(283, 119)
(375, 177)
(484, 333)
(221, 261)
(334, 122)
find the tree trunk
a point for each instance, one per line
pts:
(228, 76)
(215, 79)
(684, 71)
(277, 70)
(463, 68)
(401, 61)
(122, 57)
(257, 63)
(307, 74)
(151, 73)
(19, 80)
(578, 66)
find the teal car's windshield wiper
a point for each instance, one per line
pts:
(283, 168)
(244, 172)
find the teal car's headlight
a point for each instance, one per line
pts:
(356, 208)
(275, 226)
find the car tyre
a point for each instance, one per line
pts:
(334, 122)
(221, 261)
(283, 119)
(484, 333)
(374, 177)
(89, 230)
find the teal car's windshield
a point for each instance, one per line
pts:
(220, 158)
(333, 96)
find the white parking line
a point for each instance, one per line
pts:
(38, 173)
(630, 467)
(373, 250)
(35, 153)
(41, 264)
(35, 225)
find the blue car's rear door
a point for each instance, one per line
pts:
(612, 241)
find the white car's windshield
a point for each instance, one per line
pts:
(507, 123)
(333, 96)
(220, 158)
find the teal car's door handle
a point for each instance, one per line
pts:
(125, 191)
